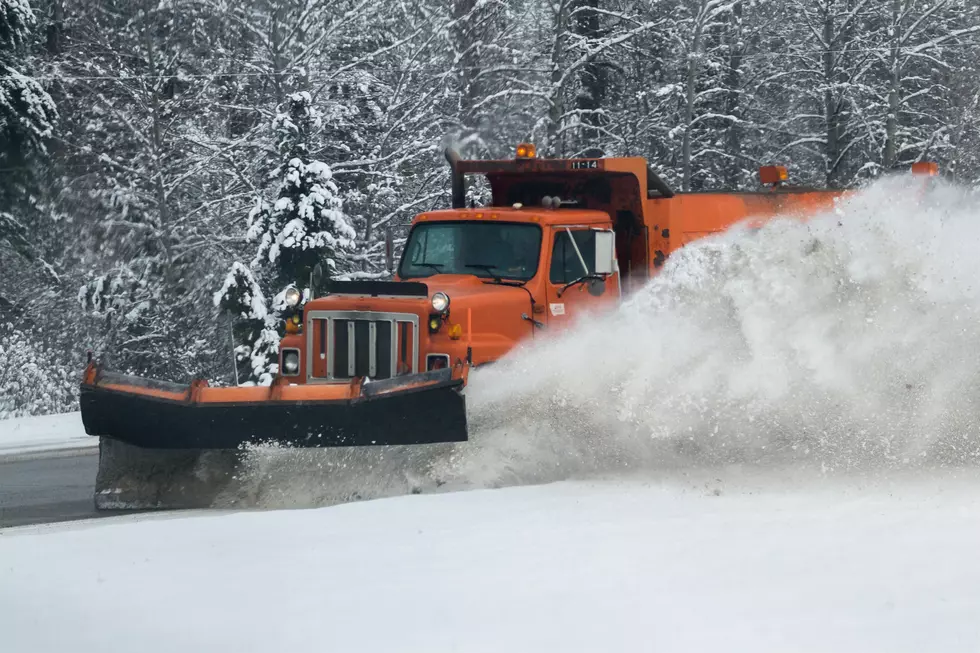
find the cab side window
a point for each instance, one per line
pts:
(565, 264)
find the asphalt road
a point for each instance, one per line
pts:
(48, 488)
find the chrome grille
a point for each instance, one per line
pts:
(348, 344)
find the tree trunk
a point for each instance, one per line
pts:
(469, 60)
(156, 135)
(895, 87)
(733, 82)
(693, 61)
(593, 77)
(555, 111)
(831, 104)
(276, 54)
(56, 28)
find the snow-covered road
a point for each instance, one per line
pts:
(720, 561)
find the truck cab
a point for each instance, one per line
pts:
(470, 285)
(472, 282)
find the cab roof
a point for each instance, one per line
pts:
(528, 214)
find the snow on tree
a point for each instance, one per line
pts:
(305, 225)
(27, 120)
(817, 92)
(27, 112)
(27, 115)
(32, 382)
(16, 22)
(241, 295)
(702, 19)
(253, 324)
(154, 198)
(919, 47)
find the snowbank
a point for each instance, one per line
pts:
(46, 433)
(627, 565)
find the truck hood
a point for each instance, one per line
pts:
(469, 288)
(466, 292)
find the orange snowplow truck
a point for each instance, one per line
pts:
(385, 362)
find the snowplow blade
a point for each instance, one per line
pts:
(418, 409)
(164, 445)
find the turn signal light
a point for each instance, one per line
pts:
(526, 151)
(455, 331)
(293, 325)
(925, 168)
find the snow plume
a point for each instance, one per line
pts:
(843, 343)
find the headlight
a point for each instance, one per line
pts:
(293, 296)
(440, 302)
(290, 362)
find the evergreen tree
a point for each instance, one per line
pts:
(27, 118)
(303, 227)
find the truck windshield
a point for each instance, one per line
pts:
(488, 250)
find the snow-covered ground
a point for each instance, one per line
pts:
(721, 561)
(26, 435)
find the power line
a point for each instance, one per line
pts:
(884, 49)
(180, 76)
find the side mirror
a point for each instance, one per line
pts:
(605, 252)
(389, 250)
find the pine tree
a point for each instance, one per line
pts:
(303, 227)
(253, 324)
(27, 118)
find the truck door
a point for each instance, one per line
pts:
(574, 287)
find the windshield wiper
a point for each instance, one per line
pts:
(496, 279)
(486, 268)
(435, 266)
(582, 279)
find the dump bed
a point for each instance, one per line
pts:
(676, 221)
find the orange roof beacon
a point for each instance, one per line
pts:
(383, 362)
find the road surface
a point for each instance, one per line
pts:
(56, 486)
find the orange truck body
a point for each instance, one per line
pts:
(485, 320)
